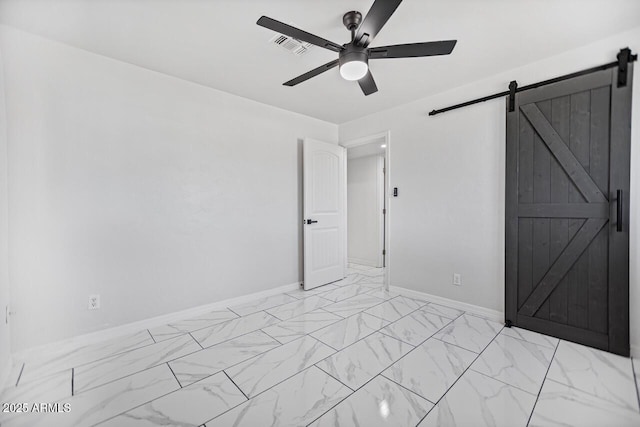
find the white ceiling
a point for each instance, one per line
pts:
(216, 43)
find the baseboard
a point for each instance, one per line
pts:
(487, 313)
(366, 262)
(73, 343)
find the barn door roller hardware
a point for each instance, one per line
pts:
(624, 58)
(623, 64)
(513, 87)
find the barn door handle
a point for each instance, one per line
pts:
(310, 221)
(619, 203)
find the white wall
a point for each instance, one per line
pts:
(449, 216)
(364, 192)
(156, 193)
(5, 346)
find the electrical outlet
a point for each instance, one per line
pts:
(457, 280)
(94, 302)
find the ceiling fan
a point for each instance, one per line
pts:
(353, 57)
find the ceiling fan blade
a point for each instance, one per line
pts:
(316, 71)
(367, 84)
(412, 50)
(297, 33)
(378, 15)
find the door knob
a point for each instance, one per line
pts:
(310, 221)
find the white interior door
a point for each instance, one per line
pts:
(324, 212)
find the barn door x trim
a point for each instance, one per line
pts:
(591, 193)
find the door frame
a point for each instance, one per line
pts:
(381, 138)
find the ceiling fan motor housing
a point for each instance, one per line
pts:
(353, 53)
(352, 20)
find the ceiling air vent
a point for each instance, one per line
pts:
(294, 46)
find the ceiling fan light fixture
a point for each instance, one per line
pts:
(353, 70)
(354, 63)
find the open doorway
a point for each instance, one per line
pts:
(367, 206)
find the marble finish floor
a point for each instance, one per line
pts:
(346, 354)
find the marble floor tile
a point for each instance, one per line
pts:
(382, 293)
(477, 400)
(353, 274)
(379, 403)
(349, 280)
(366, 269)
(560, 405)
(294, 402)
(296, 327)
(99, 349)
(46, 363)
(442, 310)
(376, 272)
(233, 328)
(338, 284)
(366, 280)
(349, 330)
(431, 368)
(298, 307)
(593, 371)
(353, 305)
(360, 362)
(121, 365)
(189, 406)
(301, 293)
(104, 402)
(182, 327)
(201, 364)
(470, 332)
(360, 267)
(268, 369)
(344, 292)
(516, 362)
(114, 398)
(370, 281)
(416, 327)
(530, 336)
(299, 361)
(15, 373)
(343, 282)
(260, 304)
(48, 388)
(395, 308)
